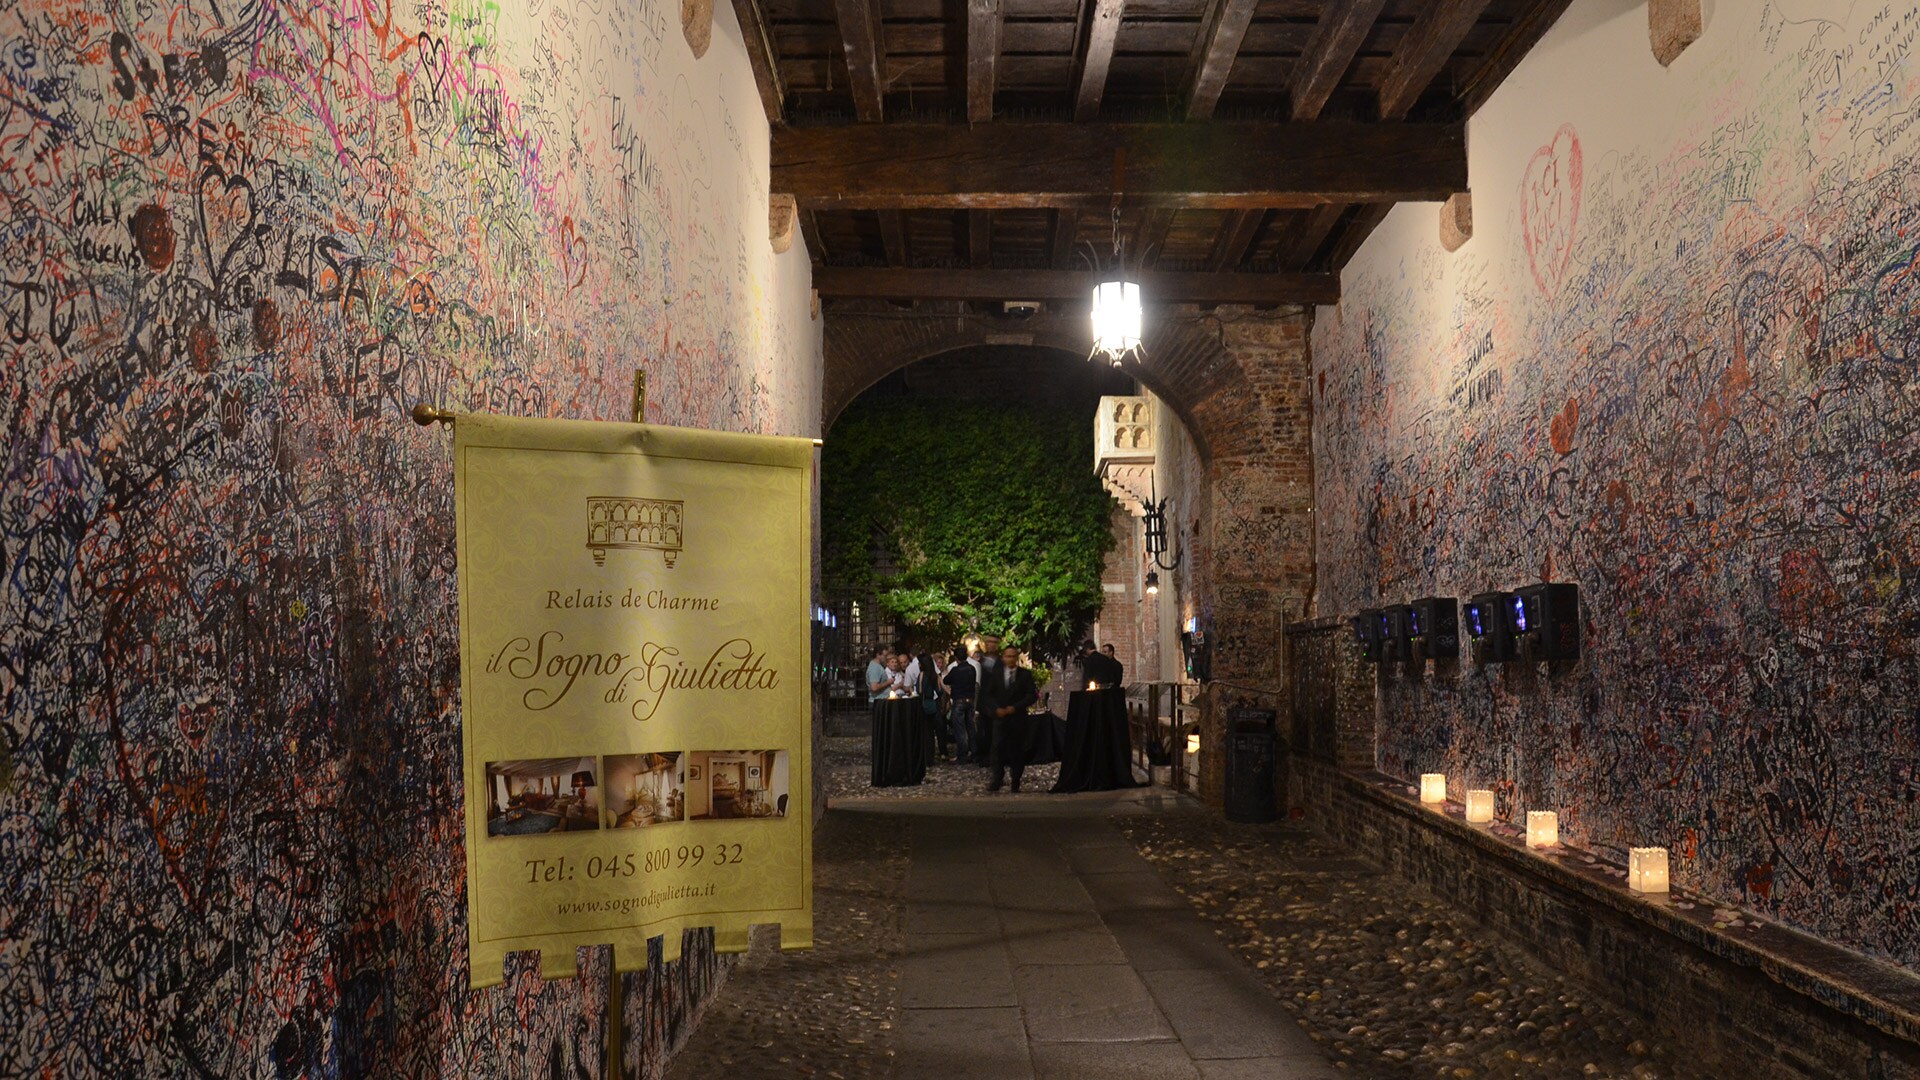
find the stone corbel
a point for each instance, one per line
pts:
(1456, 220)
(696, 22)
(783, 220)
(1672, 25)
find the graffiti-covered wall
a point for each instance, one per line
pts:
(1676, 363)
(242, 238)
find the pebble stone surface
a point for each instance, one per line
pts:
(1391, 981)
(848, 770)
(826, 1011)
(1387, 980)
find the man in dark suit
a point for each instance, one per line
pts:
(984, 716)
(1014, 693)
(1098, 667)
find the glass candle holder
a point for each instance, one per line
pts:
(1647, 869)
(1543, 828)
(1433, 787)
(1479, 806)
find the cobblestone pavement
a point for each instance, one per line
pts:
(1389, 980)
(829, 1011)
(847, 771)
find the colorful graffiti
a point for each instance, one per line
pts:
(241, 240)
(1677, 366)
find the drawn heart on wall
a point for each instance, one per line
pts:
(1560, 430)
(1550, 208)
(228, 218)
(573, 254)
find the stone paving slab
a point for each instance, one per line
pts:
(942, 884)
(962, 1044)
(1310, 1067)
(1225, 1013)
(1074, 945)
(1141, 890)
(956, 971)
(1155, 942)
(1104, 1061)
(1052, 892)
(1088, 1003)
(948, 917)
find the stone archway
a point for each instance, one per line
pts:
(1239, 379)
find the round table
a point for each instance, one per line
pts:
(900, 745)
(1096, 754)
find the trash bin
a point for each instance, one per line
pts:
(1250, 754)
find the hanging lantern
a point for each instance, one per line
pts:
(1116, 319)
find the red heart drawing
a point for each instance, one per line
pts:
(1560, 430)
(1550, 207)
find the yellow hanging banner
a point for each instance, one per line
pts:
(634, 669)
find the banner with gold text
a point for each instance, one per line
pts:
(634, 677)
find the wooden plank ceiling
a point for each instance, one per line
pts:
(976, 146)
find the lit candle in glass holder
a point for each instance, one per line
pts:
(1647, 869)
(1433, 787)
(1479, 806)
(1543, 828)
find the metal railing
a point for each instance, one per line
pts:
(1160, 717)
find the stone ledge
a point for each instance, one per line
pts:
(1872, 992)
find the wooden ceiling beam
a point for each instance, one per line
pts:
(1358, 227)
(810, 232)
(983, 56)
(1343, 28)
(763, 58)
(893, 237)
(1214, 50)
(1522, 36)
(1066, 232)
(885, 283)
(1150, 236)
(866, 60)
(1306, 237)
(1095, 57)
(1429, 43)
(1236, 239)
(1220, 165)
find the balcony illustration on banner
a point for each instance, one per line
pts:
(616, 521)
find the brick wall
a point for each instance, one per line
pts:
(1129, 617)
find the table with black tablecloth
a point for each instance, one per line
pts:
(1096, 754)
(900, 742)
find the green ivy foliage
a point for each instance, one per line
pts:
(991, 512)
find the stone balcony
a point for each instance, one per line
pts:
(1123, 441)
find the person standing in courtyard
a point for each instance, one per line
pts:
(985, 720)
(1013, 696)
(1119, 669)
(878, 677)
(962, 681)
(928, 690)
(1098, 669)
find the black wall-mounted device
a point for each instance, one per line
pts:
(1433, 628)
(1488, 621)
(1394, 643)
(1366, 634)
(1546, 621)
